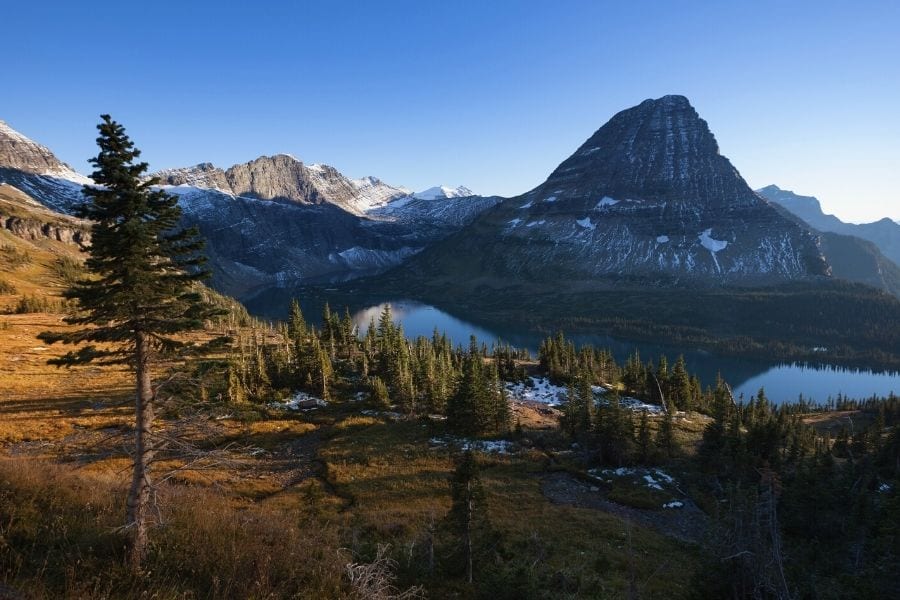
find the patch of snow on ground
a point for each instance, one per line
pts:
(652, 478)
(533, 223)
(300, 400)
(550, 199)
(673, 504)
(538, 389)
(487, 446)
(884, 488)
(527, 204)
(662, 239)
(652, 483)
(633, 404)
(586, 223)
(515, 222)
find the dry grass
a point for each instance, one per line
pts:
(59, 539)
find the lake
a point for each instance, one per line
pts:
(781, 381)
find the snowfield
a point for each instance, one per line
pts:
(586, 223)
(541, 390)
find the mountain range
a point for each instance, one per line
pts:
(648, 199)
(273, 219)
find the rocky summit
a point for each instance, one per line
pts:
(284, 178)
(647, 196)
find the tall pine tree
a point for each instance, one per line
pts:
(140, 295)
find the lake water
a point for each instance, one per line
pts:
(781, 381)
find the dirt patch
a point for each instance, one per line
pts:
(534, 415)
(687, 523)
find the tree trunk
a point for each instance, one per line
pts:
(138, 503)
(468, 540)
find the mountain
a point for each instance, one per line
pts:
(442, 191)
(647, 197)
(884, 233)
(852, 258)
(34, 169)
(855, 259)
(274, 219)
(284, 178)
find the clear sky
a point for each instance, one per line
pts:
(488, 94)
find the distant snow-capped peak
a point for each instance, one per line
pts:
(442, 191)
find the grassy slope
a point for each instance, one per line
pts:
(275, 506)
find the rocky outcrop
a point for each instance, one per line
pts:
(648, 196)
(35, 230)
(25, 218)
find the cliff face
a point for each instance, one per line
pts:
(25, 218)
(647, 196)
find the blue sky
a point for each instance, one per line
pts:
(492, 95)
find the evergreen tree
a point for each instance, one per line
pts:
(297, 328)
(141, 295)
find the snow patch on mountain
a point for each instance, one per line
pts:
(662, 239)
(713, 245)
(441, 191)
(367, 258)
(710, 243)
(372, 193)
(606, 201)
(586, 223)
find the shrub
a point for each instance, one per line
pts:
(68, 270)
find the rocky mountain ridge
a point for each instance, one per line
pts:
(647, 196)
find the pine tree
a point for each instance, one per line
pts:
(142, 293)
